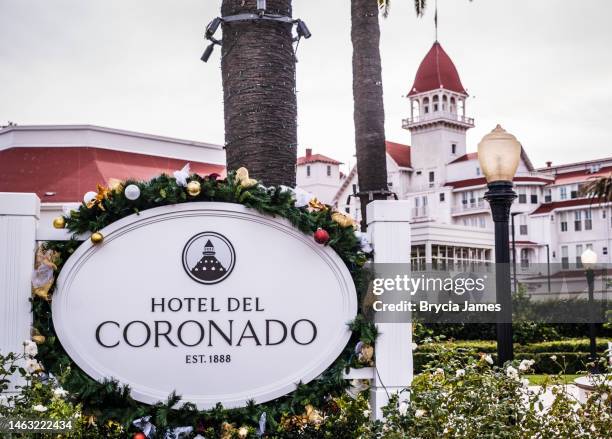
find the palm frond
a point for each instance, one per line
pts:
(419, 7)
(383, 6)
(599, 189)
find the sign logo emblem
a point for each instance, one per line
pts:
(209, 257)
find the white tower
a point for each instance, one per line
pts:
(437, 121)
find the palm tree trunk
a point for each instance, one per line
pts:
(260, 109)
(369, 112)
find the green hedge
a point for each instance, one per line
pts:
(571, 355)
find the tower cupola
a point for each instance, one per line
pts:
(437, 94)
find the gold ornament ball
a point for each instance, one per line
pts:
(97, 237)
(193, 188)
(59, 222)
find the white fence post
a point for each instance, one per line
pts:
(19, 213)
(389, 231)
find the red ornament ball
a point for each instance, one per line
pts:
(139, 435)
(321, 236)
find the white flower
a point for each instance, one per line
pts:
(302, 197)
(488, 358)
(511, 372)
(243, 432)
(460, 373)
(367, 413)
(525, 365)
(60, 393)
(30, 348)
(39, 408)
(525, 382)
(403, 408)
(364, 242)
(414, 346)
(182, 175)
(553, 357)
(419, 413)
(439, 371)
(31, 365)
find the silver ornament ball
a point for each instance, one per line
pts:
(89, 196)
(132, 192)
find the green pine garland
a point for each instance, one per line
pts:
(110, 401)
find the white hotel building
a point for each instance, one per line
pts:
(451, 221)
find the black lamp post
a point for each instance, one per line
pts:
(499, 154)
(589, 259)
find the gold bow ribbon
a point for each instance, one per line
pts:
(315, 204)
(103, 193)
(242, 178)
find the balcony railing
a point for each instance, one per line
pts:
(469, 207)
(437, 115)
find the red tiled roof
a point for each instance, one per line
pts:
(399, 153)
(436, 71)
(466, 157)
(482, 181)
(70, 172)
(581, 175)
(549, 207)
(314, 158)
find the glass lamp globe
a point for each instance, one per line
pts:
(588, 258)
(499, 153)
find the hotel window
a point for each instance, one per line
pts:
(454, 148)
(547, 196)
(473, 221)
(523, 225)
(534, 195)
(442, 197)
(563, 221)
(464, 198)
(477, 170)
(308, 171)
(435, 101)
(522, 195)
(482, 222)
(563, 193)
(432, 178)
(588, 220)
(472, 199)
(604, 251)
(574, 192)
(578, 221)
(328, 171)
(578, 255)
(524, 258)
(564, 257)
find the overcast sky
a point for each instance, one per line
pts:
(541, 68)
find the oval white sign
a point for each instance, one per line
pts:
(212, 300)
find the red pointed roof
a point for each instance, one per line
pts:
(436, 71)
(400, 153)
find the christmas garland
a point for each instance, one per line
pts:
(109, 403)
